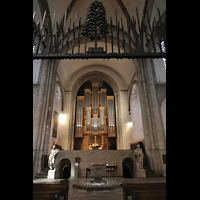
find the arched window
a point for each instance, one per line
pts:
(136, 115)
(57, 108)
(164, 51)
(58, 99)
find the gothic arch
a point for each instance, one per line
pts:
(72, 5)
(134, 82)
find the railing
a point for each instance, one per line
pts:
(104, 39)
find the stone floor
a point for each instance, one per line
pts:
(77, 194)
(115, 194)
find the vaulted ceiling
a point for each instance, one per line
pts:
(81, 6)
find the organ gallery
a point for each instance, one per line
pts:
(95, 119)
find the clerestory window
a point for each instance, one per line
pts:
(164, 51)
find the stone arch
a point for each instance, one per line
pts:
(104, 77)
(134, 82)
(64, 164)
(127, 166)
(95, 74)
(116, 81)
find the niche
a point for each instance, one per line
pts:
(66, 172)
(65, 168)
(127, 168)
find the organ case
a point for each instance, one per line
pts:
(95, 118)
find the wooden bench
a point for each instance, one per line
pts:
(51, 190)
(46, 195)
(144, 191)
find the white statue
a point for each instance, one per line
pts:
(138, 157)
(52, 155)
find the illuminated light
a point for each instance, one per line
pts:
(129, 124)
(62, 118)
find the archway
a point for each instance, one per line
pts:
(65, 169)
(77, 84)
(66, 172)
(127, 165)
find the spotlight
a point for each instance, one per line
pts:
(62, 118)
(129, 124)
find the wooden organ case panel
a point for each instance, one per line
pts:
(95, 118)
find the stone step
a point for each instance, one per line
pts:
(149, 171)
(43, 173)
(38, 176)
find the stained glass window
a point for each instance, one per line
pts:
(57, 96)
(164, 51)
(33, 47)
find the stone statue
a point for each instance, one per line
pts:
(52, 155)
(138, 157)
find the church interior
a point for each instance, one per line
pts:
(99, 93)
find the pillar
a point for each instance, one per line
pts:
(37, 125)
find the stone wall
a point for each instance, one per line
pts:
(94, 156)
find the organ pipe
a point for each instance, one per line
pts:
(95, 116)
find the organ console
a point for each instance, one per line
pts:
(95, 118)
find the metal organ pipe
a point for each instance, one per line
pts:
(110, 116)
(88, 119)
(95, 121)
(79, 116)
(102, 119)
(95, 100)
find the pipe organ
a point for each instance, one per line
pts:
(95, 118)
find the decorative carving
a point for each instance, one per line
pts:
(95, 23)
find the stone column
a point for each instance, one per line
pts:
(39, 111)
(51, 95)
(118, 122)
(157, 125)
(154, 140)
(42, 119)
